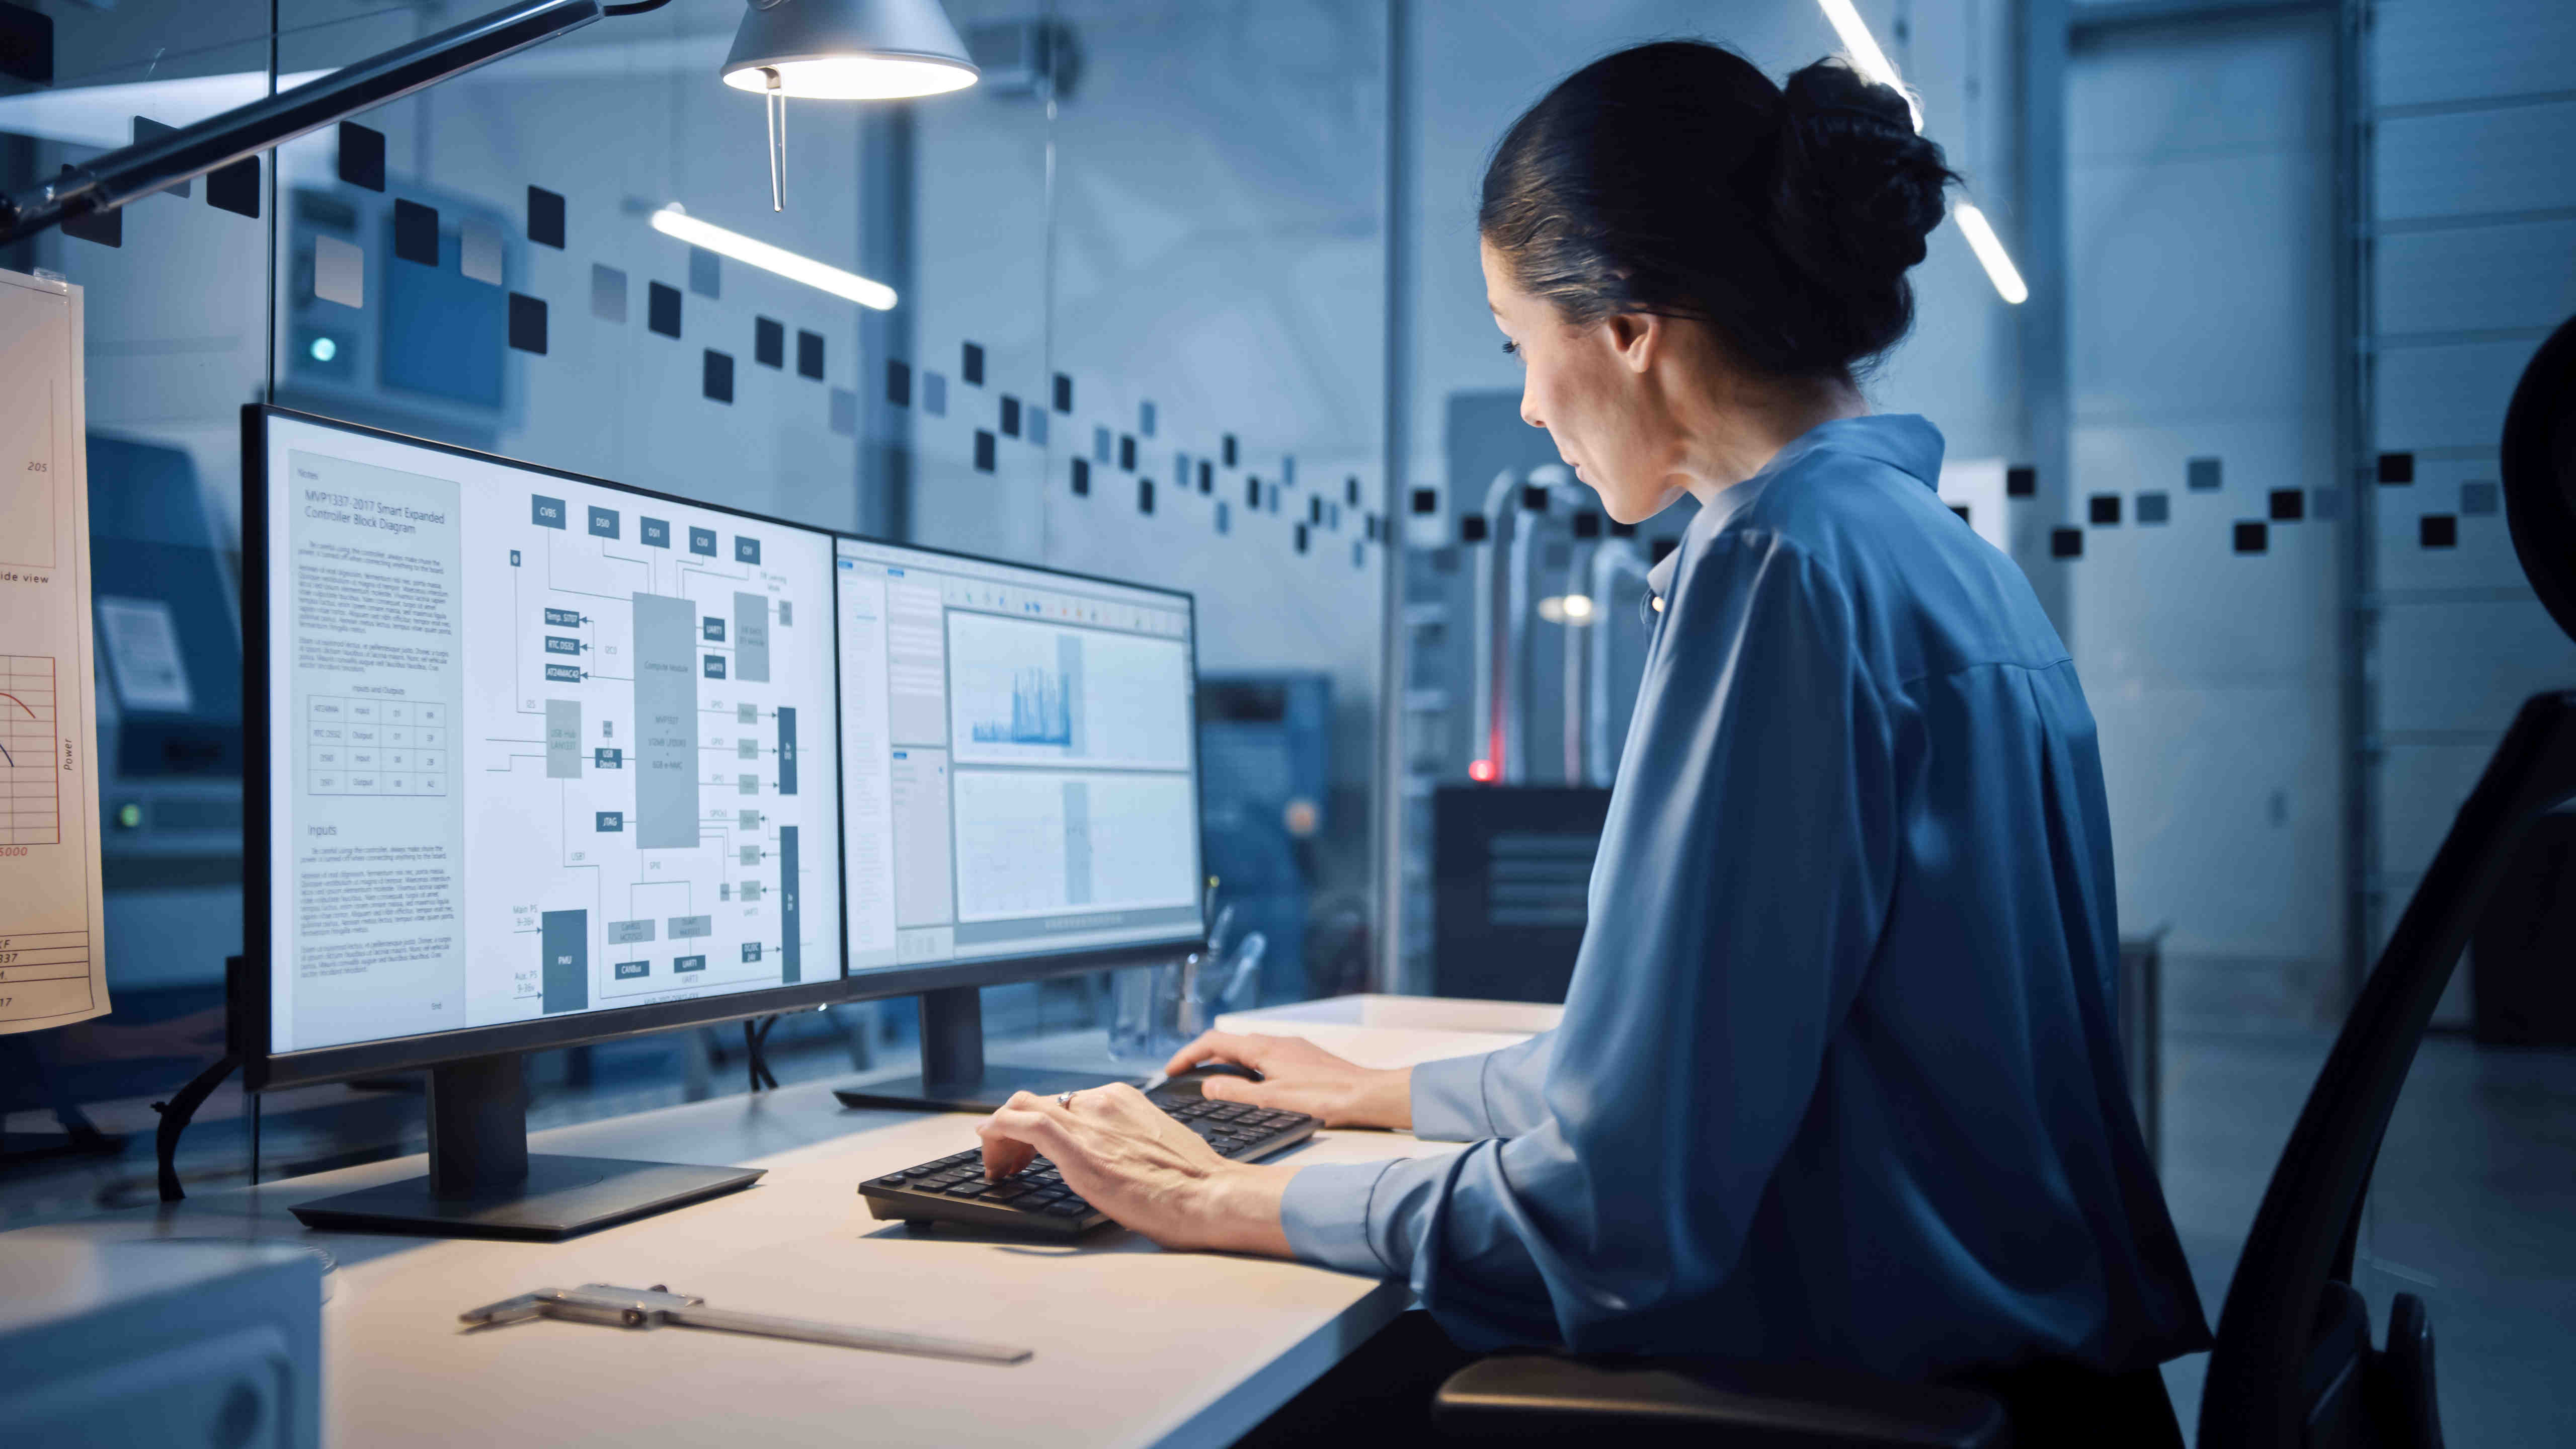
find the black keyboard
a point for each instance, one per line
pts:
(1035, 1199)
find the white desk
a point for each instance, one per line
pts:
(1134, 1346)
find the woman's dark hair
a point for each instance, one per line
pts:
(1676, 179)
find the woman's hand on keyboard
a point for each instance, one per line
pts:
(1299, 1076)
(1135, 1162)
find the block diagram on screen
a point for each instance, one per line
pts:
(648, 810)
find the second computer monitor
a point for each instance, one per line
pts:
(1019, 759)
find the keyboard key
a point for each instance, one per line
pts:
(972, 1187)
(1067, 1210)
(1040, 1197)
(1004, 1191)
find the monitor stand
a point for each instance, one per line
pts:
(954, 1076)
(484, 1183)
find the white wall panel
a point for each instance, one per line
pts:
(2467, 666)
(2476, 278)
(2508, 160)
(2431, 51)
(2227, 816)
(2451, 396)
(2200, 233)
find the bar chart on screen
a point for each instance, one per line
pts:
(34, 803)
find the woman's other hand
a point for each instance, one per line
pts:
(1299, 1076)
(1135, 1162)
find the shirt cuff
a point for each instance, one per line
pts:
(1449, 1100)
(1326, 1215)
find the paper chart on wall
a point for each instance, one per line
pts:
(53, 970)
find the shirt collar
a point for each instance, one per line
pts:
(1903, 441)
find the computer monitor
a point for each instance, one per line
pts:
(1021, 792)
(537, 760)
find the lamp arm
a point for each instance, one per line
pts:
(135, 171)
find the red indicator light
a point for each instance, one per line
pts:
(1481, 771)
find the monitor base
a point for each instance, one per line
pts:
(561, 1196)
(980, 1094)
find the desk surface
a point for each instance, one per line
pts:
(1134, 1346)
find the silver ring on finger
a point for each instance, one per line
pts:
(1064, 1100)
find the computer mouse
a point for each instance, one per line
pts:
(1186, 1084)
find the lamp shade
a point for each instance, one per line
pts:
(848, 50)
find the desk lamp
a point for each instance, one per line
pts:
(842, 50)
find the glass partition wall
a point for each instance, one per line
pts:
(1139, 273)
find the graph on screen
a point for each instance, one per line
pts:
(1040, 709)
(1024, 691)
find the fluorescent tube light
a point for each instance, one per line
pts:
(1865, 55)
(1990, 253)
(671, 221)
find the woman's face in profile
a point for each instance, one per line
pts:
(1578, 383)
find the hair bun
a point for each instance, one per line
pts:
(1857, 189)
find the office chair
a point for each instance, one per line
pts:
(2293, 1364)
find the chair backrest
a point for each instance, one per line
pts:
(2286, 1334)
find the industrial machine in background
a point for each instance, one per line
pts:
(1264, 763)
(1526, 631)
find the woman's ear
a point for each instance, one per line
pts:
(1636, 337)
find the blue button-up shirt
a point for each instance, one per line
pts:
(1838, 1078)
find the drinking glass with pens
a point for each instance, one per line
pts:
(1156, 1010)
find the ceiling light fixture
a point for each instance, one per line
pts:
(672, 221)
(1990, 253)
(842, 50)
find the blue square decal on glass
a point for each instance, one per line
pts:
(769, 342)
(416, 232)
(545, 218)
(809, 354)
(362, 156)
(662, 309)
(983, 451)
(898, 383)
(934, 394)
(235, 188)
(2154, 507)
(527, 324)
(717, 380)
(706, 273)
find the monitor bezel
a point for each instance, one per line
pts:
(980, 971)
(264, 1068)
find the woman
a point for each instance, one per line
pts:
(1837, 1079)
